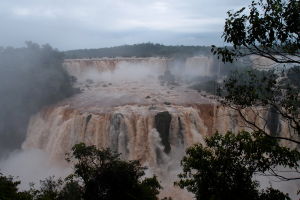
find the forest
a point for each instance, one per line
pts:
(140, 50)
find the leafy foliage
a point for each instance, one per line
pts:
(224, 169)
(250, 88)
(98, 174)
(50, 189)
(57, 189)
(278, 91)
(139, 50)
(105, 176)
(269, 28)
(9, 189)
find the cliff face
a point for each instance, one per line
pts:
(106, 68)
(86, 68)
(155, 135)
(125, 105)
(143, 132)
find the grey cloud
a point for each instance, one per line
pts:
(97, 23)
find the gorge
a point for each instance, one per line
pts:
(142, 108)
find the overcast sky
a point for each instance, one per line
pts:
(73, 24)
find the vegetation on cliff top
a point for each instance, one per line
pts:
(140, 50)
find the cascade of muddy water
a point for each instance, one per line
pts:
(125, 107)
(137, 132)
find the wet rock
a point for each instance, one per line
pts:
(167, 103)
(87, 121)
(162, 125)
(273, 123)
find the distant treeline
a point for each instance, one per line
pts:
(140, 50)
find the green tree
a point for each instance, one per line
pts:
(268, 28)
(9, 189)
(139, 50)
(49, 189)
(107, 177)
(72, 190)
(57, 189)
(224, 168)
(98, 175)
(274, 92)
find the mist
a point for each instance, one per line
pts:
(31, 166)
(30, 77)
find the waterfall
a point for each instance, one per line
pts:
(127, 109)
(132, 130)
